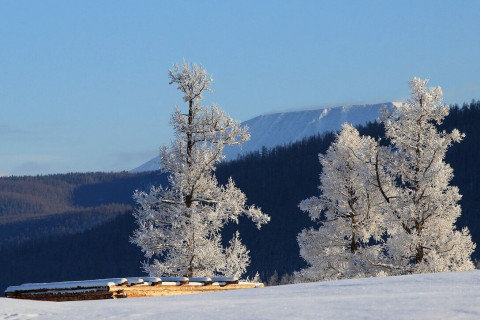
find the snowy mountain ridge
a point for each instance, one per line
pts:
(273, 129)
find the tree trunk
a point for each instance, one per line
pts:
(419, 255)
(419, 249)
(354, 244)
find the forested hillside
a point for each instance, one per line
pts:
(46, 206)
(276, 180)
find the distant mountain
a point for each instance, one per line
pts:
(151, 165)
(270, 130)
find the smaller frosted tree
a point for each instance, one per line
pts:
(179, 227)
(349, 209)
(423, 206)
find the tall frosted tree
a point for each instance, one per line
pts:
(388, 209)
(349, 209)
(179, 227)
(424, 206)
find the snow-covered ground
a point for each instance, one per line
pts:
(454, 295)
(280, 128)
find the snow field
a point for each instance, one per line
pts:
(454, 295)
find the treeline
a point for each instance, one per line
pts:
(61, 204)
(464, 158)
(275, 179)
(101, 252)
(54, 225)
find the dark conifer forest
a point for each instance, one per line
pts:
(77, 226)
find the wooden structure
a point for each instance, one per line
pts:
(123, 288)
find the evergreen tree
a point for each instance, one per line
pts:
(180, 226)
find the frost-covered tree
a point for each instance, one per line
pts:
(349, 209)
(424, 206)
(388, 209)
(179, 227)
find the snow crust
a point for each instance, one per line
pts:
(68, 284)
(174, 279)
(275, 129)
(200, 279)
(152, 280)
(224, 279)
(454, 295)
(135, 280)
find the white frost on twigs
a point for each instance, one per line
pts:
(179, 227)
(388, 209)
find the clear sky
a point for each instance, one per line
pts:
(84, 86)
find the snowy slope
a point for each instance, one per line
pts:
(150, 165)
(274, 129)
(454, 295)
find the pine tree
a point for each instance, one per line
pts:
(273, 280)
(180, 226)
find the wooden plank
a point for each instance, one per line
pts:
(164, 290)
(64, 295)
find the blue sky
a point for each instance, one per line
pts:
(84, 86)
